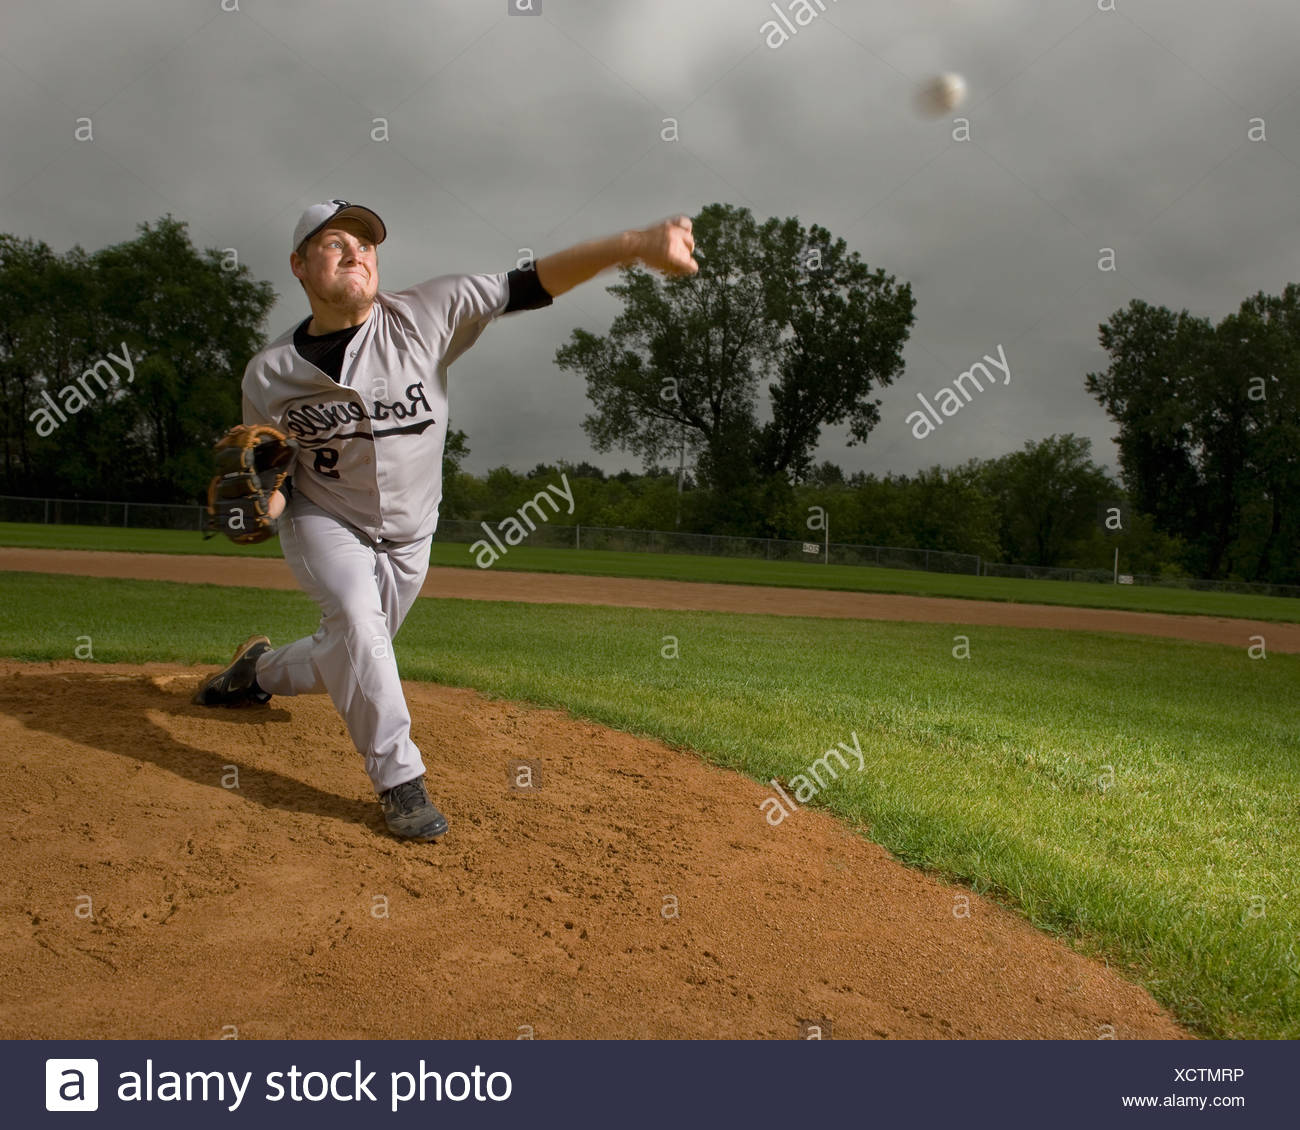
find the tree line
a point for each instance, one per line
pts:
(75, 422)
(120, 368)
(1046, 504)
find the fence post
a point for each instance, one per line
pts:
(927, 560)
(47, 511)
(577, 536)
(125, 506)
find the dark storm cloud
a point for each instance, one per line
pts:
(1089, 129)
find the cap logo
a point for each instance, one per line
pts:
(340, 203)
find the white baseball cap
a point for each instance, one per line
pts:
(318, 215)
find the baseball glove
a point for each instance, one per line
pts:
(252, 462)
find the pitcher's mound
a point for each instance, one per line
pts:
(175, 871)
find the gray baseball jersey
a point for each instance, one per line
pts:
(372, 441)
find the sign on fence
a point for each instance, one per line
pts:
(1125, 579)
(811, 547)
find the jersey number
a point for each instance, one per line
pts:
(326, 459)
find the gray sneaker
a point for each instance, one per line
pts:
(237, 684)
(409, 812)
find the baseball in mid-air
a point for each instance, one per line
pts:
(941, 94)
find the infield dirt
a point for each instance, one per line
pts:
(635, 592)
(638, 892)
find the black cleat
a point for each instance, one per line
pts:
(237, 684)
(409, 812)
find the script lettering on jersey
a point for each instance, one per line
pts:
(308, 421)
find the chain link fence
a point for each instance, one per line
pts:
(1107, 576)
(1047, 573)
(80, 512)
(625, 540)
(166, 516)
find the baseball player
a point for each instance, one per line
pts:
(361, 385)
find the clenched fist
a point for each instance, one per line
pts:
(669, 247)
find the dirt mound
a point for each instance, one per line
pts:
(637, 892)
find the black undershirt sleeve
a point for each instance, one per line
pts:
(526, 291)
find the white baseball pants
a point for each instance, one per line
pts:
(364, 590)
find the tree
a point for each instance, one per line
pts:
(192, 321)
(184, 326)
(1048, 495)
(47, 333)
(950, 509)
(455, 492)
(1209, 419)
(1265, 335)
(826, 474)
(585, 470)
(683, 362)
(1149, 391)
(842, 331)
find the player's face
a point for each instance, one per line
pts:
(340, 268)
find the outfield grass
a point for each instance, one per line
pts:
(726, 570)
(1135, 796)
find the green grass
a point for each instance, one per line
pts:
(726, 570)
(37, 535)
(987, 770)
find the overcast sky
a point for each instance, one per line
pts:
(1089, 129)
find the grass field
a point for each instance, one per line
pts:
(726, 570)
(1134, 796)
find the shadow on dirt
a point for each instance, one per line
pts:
(111, 712)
